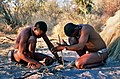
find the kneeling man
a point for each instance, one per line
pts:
(87, 43)
(26, 44)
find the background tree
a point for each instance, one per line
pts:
(84, 6)
(19, 12)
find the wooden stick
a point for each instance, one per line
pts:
(10, 38)
(43, 63)
(23, 77)
(61, 51)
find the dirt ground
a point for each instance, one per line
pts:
(8, 70)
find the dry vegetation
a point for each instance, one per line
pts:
(56, 16)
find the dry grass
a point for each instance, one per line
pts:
(5, 28)
(103, 10)
(57, 17)
(110, 6)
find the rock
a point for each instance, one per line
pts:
(111, 36)
(112, 29)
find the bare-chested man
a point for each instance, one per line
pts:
(26, 44)
(87, 43)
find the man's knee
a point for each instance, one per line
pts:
(72, 40)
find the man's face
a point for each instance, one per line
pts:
(38, 33)
(74, 33)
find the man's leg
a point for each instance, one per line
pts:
(38, 56)
(31, 46)
(91, 59)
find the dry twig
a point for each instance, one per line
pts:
(10, 38)
(61, 51)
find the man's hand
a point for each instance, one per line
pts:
(64, 43)
(58, 48)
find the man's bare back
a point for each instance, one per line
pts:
(95, 42)
(27, 32)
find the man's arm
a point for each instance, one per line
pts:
(22, 48)
(82, 41)
(50, 45)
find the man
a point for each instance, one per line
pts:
(26, 43)
(87, 43)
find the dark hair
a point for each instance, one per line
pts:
(42, 26)
(69, 29)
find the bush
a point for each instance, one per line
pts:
(110, 6)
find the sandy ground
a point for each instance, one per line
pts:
(8, 70)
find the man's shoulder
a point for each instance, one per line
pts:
(87, 27)
(26, 29)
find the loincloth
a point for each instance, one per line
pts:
(100, 54)
(102, 51)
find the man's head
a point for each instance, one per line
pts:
(70, 29)
(40, 28)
